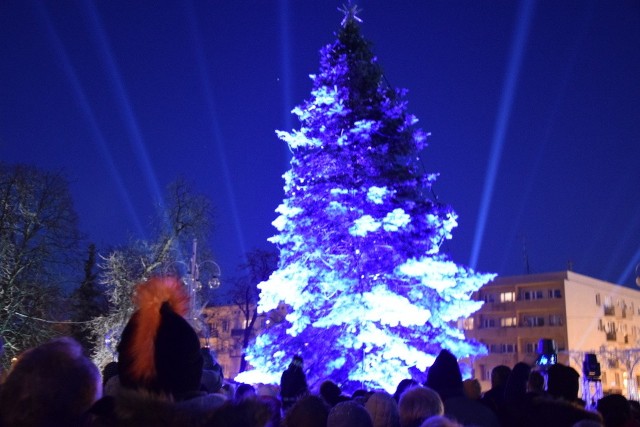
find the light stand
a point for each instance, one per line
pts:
(591, 384)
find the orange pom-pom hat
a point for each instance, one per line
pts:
(159, 350)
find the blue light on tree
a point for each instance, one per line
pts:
(369, 295)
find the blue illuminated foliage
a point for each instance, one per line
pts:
(369, 295)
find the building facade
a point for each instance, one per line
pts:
(580, 314)
(223, 330)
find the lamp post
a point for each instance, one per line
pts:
(194, 283)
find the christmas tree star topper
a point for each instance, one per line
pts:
(350, 12)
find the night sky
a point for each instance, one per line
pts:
(533, 110)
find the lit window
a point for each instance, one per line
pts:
(508, 322)
(466, 324)
(507, 296)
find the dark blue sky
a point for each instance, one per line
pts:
(125, 96)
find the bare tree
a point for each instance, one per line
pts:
(245, 294)
(185, 215)
(39, 242)
(87, 301)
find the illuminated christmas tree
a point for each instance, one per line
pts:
(369, 294)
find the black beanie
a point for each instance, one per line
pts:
(159, 350)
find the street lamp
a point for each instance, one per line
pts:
(193, 280)
(194, 283)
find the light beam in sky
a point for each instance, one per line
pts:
(502, 121)
(629, 270)
(115, 79)
(87, 111)
(285, 64)
(546, 135)
(218, 138)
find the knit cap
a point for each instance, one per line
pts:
(159, 350)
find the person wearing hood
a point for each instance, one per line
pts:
(445, 378)
(293, 383)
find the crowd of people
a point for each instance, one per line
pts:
(164, 378)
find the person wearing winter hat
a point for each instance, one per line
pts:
(293, 383)
(159, 351)
(160, 363)
(349, 414)
(445, 378)
(383, 410)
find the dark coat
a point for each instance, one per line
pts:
(293, 384)
(131, 408)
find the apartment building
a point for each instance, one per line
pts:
(580, 313)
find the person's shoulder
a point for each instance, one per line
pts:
(469, 411)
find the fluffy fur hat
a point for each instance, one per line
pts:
(159, 350)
